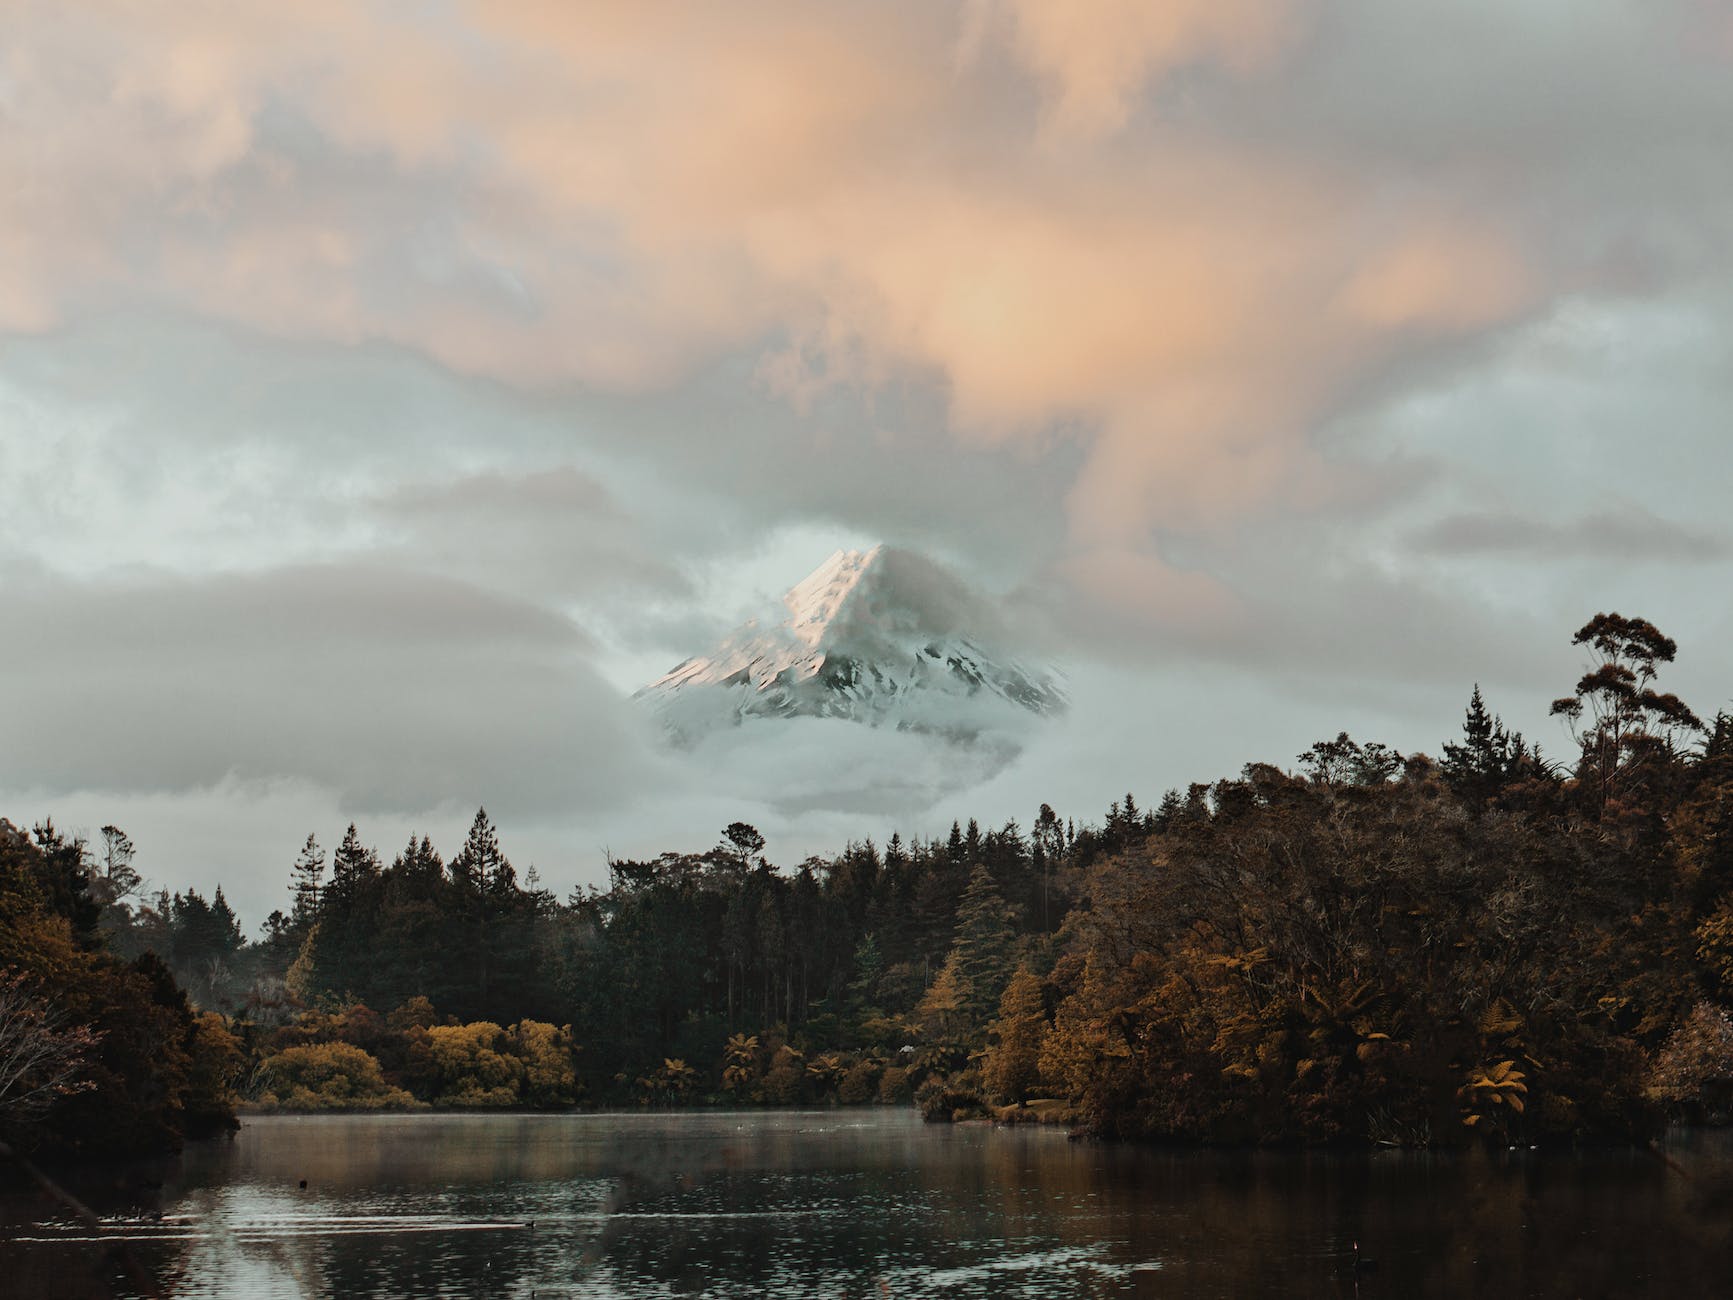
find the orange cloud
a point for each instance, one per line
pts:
(1093, 57)
(613, 193)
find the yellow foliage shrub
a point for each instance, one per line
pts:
(327, 1076)
(473, 1071)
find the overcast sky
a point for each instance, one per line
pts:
(387, 389)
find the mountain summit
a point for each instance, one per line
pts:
(883, 637)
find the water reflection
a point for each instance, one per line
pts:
(869, 1204)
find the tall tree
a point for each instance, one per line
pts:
(742, 845)
(484, 893)
(1011, 1069)
(1625, 727)
(345, 952)
(115, 879)
(985, 949)
(306, 881)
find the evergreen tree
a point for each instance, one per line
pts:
(484, 897)
(1488, 758)
(412, 929)
(306, 881)
(985, 947)
(352, 865)
(226, 926)
(345, 953)
(869, 965)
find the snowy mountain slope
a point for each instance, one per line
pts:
(883, 637)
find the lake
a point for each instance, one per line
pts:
(867, 1203)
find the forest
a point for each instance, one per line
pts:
(1363, 947)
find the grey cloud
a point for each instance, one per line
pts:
(551, 533)
(400, 691)
(545, 492)
(1307, 618)
(1633, 535)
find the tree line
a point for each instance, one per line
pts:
(1362, 947)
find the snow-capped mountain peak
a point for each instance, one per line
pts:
(883, 637)
(817, 598)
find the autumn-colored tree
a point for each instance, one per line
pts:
(941, 1007)
(325, 1076)
(476, 1067)
(549, 1075)
(1693, 1071)
(43, 1053)
(1012, 1067)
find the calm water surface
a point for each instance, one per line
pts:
(864, 1203)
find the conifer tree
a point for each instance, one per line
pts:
(226, 926)
(352, 865)
(869, 965)
(306, 879)
(984, 949)
(1488, 758)
(345, 957)
(484, 896)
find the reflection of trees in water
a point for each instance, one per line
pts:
(744, 1205)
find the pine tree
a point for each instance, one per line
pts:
(484, 895)
(412, 928)
(869, 965)
(1488, 758)
(984, 949)
(352, 865)
(227, 932)
(305, 883)
(1046, 847)
(345, 958)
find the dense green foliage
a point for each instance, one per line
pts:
(1370, 948)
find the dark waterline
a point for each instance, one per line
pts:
(870, 1204)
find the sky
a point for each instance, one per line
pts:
(388, 388)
